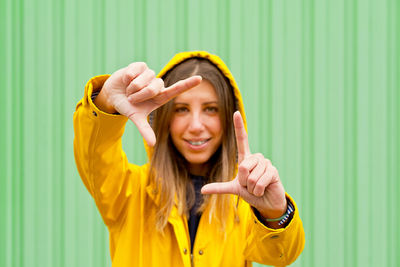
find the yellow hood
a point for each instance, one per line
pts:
(178, 58)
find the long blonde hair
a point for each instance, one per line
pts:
(168, 168)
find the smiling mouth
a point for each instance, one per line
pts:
(197, 143)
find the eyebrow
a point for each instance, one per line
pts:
(205, 103)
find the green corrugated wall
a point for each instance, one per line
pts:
(321, 85)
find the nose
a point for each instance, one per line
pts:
(196, 122)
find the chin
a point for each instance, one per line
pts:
(196, 161)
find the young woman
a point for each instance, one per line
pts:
(203, 199)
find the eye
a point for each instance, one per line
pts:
(211, 109)
(181, 109)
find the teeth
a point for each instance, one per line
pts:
(197, 143)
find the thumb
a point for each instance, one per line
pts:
(144, 128)
(230, 187)
(124, 107)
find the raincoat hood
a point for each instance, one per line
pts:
(217, 61)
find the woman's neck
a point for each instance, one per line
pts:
(198, 169)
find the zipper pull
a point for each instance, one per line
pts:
(191, 259)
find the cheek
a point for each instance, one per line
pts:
(216, 127)
(176, 126)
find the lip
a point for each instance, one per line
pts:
(199, 147)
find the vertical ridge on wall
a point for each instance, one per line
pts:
(7, 135)
(250, 82)
(285, 83)
(21, 130)
(350, 142)
(307, 134)
(368, 182)
(396, 132)
(222, 32)
(362, 166)
(264, 100)
(29, 102)
(378, 127)
(390, 223)
(70, 55)
(326, 168)
(49, 180)
(3, 135)
(58, 135)
(276, 82)
(389, 109)
(320, 125)
(34, 138)
(17, 130)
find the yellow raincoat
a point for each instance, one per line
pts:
(127, 201)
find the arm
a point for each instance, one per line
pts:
(101, 163)
(134, 92)
(259, 185)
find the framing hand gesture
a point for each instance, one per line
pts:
(135, 92)
(257, 181)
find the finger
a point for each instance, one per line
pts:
(140, 81)
(177, 88)
(263, 183)
(255, 175)
(274, 173)
(230, 187)
(245, 167)
(122, 105)
(151, 90)
(243, 172)
(144, 128)
(132, 71)
(241, 136)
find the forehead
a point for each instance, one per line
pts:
(205, 91)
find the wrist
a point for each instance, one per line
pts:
(101, 102)
(276, 213)
(281, 221)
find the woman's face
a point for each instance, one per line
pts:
(195, 127)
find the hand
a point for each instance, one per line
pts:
(135, 92)
(257, 182)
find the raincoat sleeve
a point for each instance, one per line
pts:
(277, 247)
(101, 162)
